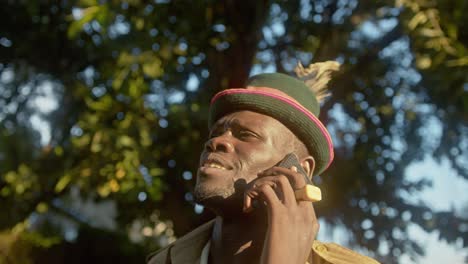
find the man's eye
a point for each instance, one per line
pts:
(246, 133)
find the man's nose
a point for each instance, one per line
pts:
(220, 143)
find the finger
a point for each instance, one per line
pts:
(296, 179)
(249, 195)
(280, 184)
(286, 190)
(267, 194)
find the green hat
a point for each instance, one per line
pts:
(293, 102)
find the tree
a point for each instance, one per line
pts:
(133, 79)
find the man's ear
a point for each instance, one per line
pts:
(308, 164)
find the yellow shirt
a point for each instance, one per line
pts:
(193, 248)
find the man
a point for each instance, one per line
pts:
(261, 215)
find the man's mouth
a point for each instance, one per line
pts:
(214, 163)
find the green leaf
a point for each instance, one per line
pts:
(63, 183)
(153, 68)
(156, 172)
(77, 25)
(125, 141)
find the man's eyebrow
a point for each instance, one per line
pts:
(234, 123)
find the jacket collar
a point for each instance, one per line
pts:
(188, 248)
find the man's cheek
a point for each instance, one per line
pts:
(264, 164)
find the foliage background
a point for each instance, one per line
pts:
(103, 108)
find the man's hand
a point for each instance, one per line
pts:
(292, 225)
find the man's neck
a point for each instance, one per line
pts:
(239, 239)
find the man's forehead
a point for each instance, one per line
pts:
(250, 119)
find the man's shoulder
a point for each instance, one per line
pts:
(187, 247)
(336, 254)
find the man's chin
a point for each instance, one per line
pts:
(202, 192)
(221, 203)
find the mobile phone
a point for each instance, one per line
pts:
(309, 192)
(291, 160)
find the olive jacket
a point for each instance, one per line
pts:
(188, 250)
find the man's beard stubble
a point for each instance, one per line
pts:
(202, 193)
(224, 201)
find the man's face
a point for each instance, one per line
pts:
(241, 145)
